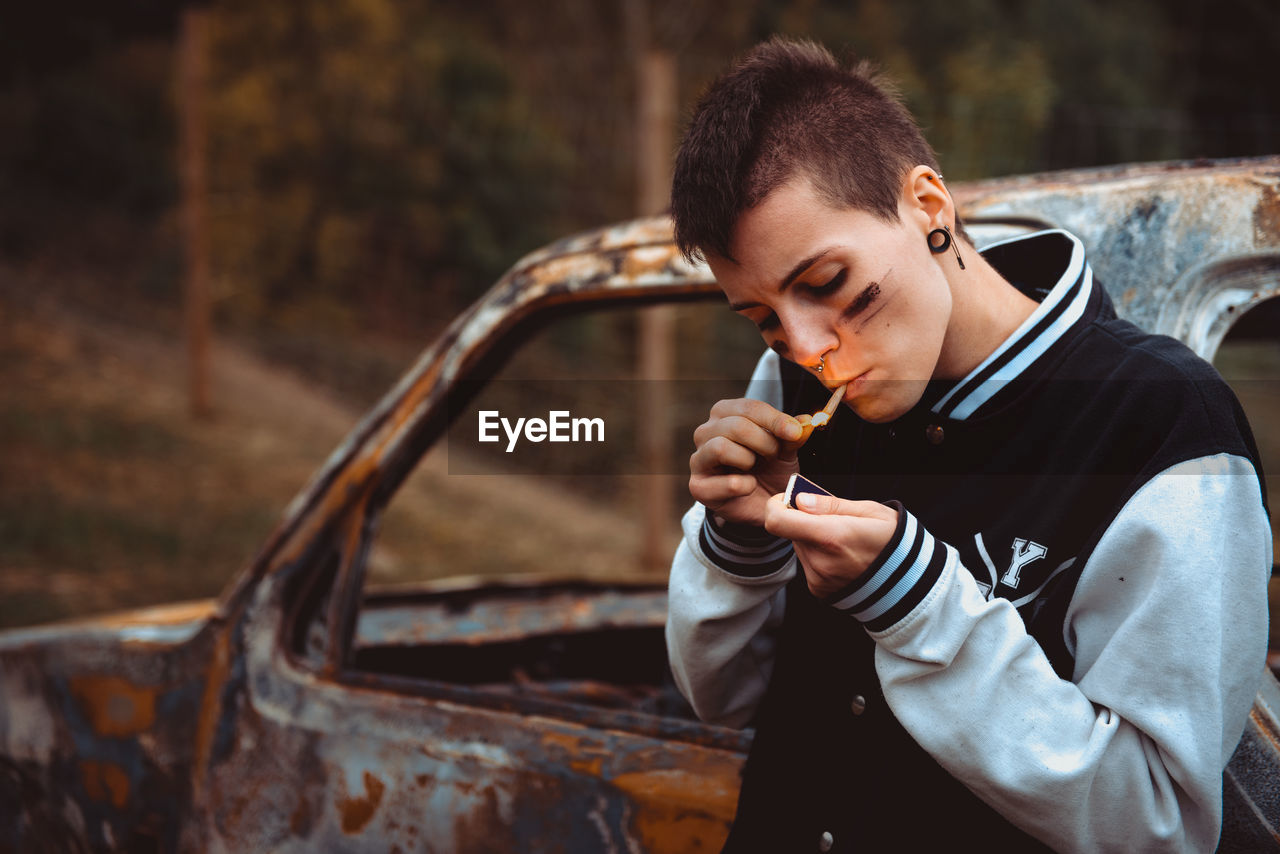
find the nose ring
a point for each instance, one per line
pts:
(821, 362)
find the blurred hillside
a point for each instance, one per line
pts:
(373, 166)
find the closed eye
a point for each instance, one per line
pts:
(767, 323)
(831, 286)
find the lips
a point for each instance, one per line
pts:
(853, 384)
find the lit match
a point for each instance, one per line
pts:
(822, 418)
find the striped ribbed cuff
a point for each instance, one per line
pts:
(898, 579)
(743, 549)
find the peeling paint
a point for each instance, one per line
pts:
(358, 812)
(105, 782)
(680, 810)
(1266, 216)
(114, 706)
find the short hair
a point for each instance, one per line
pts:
(790, 108)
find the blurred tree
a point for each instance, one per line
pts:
(398, 154)
(80, 140)
(1002, 87)
(38, 41)
(575, 62)
(1223, 55)
(373, 152)
(192, 83)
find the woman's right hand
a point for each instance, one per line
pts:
(745, 453)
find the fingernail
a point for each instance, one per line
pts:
(792, 430)
(807, 500)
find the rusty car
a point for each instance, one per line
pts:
(304, 709)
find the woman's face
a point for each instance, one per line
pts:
(842, 283)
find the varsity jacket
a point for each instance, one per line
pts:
(1060, 644)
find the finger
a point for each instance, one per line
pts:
(821, 505)
(823, 534)
(745, 432)
(830, 505)
(719, 453)
(773, 420)
(789, 450)
(718, 489)
(738, 429)
(827, 530)
(783, 521)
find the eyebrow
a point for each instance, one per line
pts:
(788, 279)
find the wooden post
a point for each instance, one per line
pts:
(192, 136)
(655, 120)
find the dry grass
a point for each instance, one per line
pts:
(113, 496)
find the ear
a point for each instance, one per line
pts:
(926, 199)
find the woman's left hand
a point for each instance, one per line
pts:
(835, 539)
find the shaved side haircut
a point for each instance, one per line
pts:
(789, 109)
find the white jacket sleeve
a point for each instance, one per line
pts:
(721, 623)
(1168, 625)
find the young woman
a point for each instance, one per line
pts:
(1033, 613)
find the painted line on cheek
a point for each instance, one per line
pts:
(872, 316)
(862, 300)
(865, 299)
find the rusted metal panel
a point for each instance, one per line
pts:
(316, 764)
(1160, 237)
(409, 621)
(95, 734)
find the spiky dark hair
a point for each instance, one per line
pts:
(790, 108)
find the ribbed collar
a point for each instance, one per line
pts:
(1049, 267)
